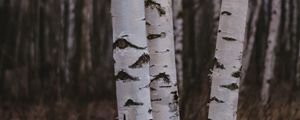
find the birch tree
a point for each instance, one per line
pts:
(249, 43)
(226, 73)
(270, 58)
(164, 93)
(131, 59)
(178, 38)
(70, 52)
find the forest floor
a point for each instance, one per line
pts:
(274, 112)
(105, 110)
(62, 110)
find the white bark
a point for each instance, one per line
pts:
(271, 50)
(131, 60)
(178, 36)
(225, 78)
(164, 93)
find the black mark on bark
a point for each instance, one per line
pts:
(232, 86)
(152, 65)
(168, 86)
(148, 24)
(215, 99)
(150, 111)
(236, 74)
(145, 58)
(165, 77)
(175, 96)
(226, 13)
(154, 36)
(152, 89)
(122, 43)
(167, 50)
(218, 64)
(229, 39)
(153, 4)
(130, 102)
(156, 100)
(125, 77)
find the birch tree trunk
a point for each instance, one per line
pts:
(226, 73)
(249, 43)
(85, 64)
(178, 36)
(270, 58)
(164, 93)
(131, 60)
(70, 50)
(295, 33)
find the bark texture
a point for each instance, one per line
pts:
(164, 91)
(33, 60)
(226, 73)
(131, 58)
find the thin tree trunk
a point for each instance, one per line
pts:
(295, 30)
(297, 37)
(131, 60)
(270, 58)
(249, 43)
(85, 46)
(178, 35)
(164, 93)
(226, 73)
(70, 50)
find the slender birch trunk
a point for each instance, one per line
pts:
(295, 41)
(70, 37)
(131, 60)
(87, 14)
(287, 28)
(271, 50)
(249, 43)
(226, 73)
(178, 36)
(164, 93)
(298, 67)
(85, 63)
(296, 34)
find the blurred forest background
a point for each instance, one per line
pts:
(56, 60)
